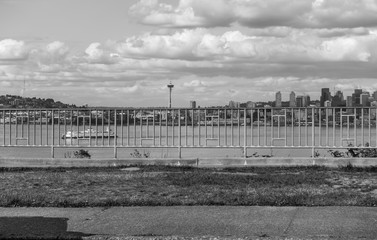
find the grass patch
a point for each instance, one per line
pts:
(171, 185)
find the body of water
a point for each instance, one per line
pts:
(197, 141)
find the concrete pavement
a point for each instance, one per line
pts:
(190, 222)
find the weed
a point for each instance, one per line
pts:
(355, 152)
(137, 154)
(81, 154)
(316, 154)
(78, 154)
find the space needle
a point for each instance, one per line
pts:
(170, 86)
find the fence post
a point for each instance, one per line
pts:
(52, 151)
(115, 152)
(313, 136)
(244, 135)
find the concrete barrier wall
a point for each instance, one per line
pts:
(214, 162)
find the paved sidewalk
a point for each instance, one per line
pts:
(190, 222)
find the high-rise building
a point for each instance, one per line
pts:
(338, 99)
(306, 100)
(302, 101)
(292, 99)
(233, 104)
(375, 95)
(325, 96)
(278, 99)
(327, 104)
(299, 101)
(192, 104)
(364, 99)
(349, 102)
(356, 101)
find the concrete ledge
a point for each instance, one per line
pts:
(213, 162)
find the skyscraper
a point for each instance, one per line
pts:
(375, 95)
(364, 99)
(292, 99)
(338, 99)
(325, 96)
(278, 99)
(349, 101)
(300, 101)
(356, 97)
(192, 104)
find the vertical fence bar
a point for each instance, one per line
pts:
(179, 134)
(154, 127)
(40, 125)
(333, 125)
(173, 127)
(244, 134)
(369, 123)
(265, 126)
(108, 125)
(218, 127)
(286, 127)
(4, 128)
(160, 132)
(16, 126)
(192, 125)
(53, 128)
(121, 127)
(231, 127)
(341, 125)
(47, 121)
(59, 134)
(225, 127)
(141, 127)
(205, 127)
(128, 127)
(299, 126)
(199, 124)
(292, 126)
(258, 118)
(186, 127)
(78, 126)
(306, 128)
(239, 126)
(167, 130)
(362, 126)
(251, 126)
(320, 126)
(115, 134)
(313, 134)
(354, 126)
(28, 127)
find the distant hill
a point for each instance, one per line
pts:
(13, 101)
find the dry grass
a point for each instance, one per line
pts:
(163, 185)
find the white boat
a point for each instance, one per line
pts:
(89, 133)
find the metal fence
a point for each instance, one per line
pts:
(290, 128)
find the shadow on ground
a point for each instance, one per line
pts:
(36, 228)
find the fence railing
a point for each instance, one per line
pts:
(292, 128)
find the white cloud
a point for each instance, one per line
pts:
(96, 53)
(188, 13)
(12, 49)
(258, 13)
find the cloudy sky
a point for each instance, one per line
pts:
(124, 53)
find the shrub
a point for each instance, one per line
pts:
(356, 152)
(78, 154)
(137, 154)
(81, 154)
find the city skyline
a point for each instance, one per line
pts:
(125, 53)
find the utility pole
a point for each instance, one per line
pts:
(170, 86)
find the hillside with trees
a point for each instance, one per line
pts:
(13, 101)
